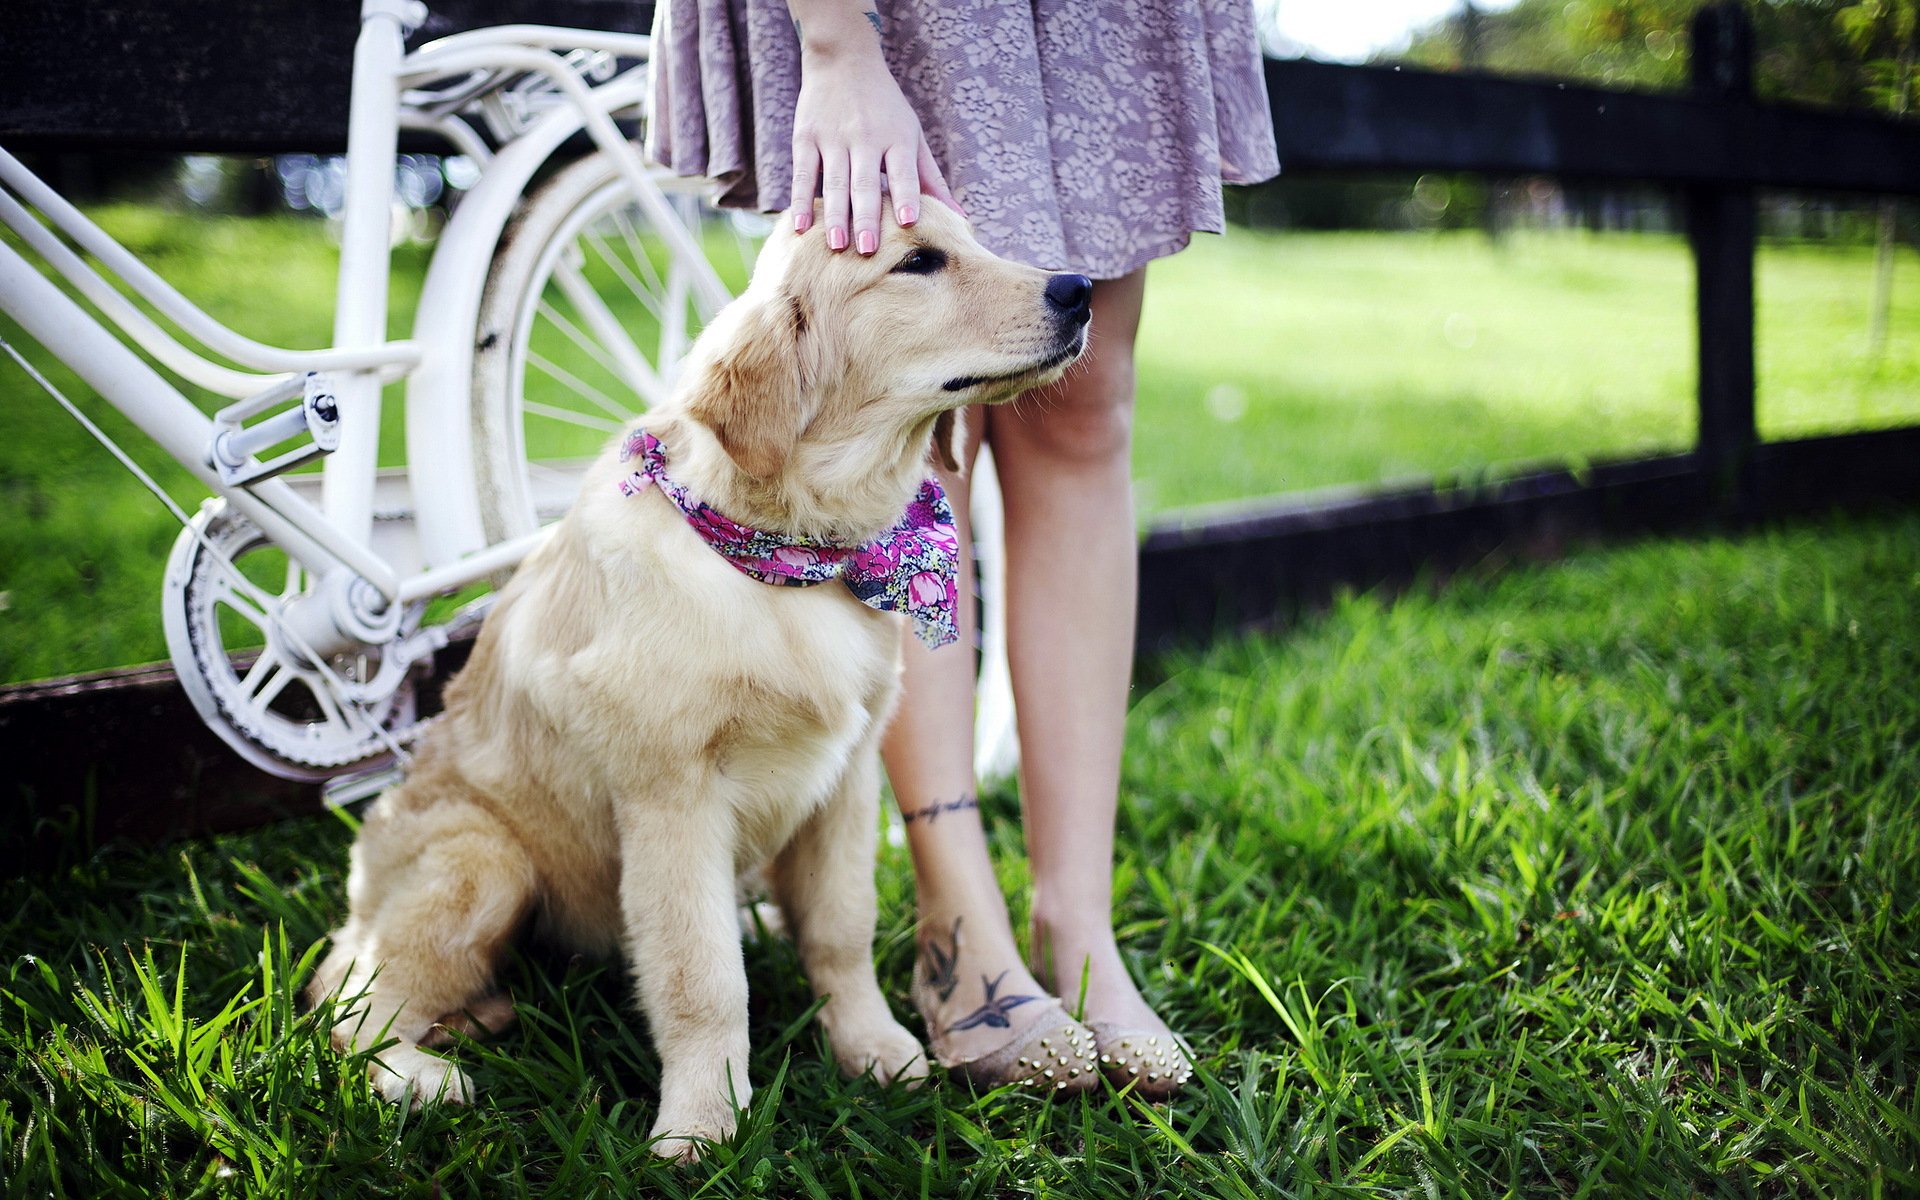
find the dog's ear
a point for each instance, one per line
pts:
(754, 395)
(949, 430)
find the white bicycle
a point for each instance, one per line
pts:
(300, 608)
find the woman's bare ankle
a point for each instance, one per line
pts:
(1080, 959)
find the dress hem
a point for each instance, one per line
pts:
(1165, 247)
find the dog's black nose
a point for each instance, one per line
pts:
(1071, 296)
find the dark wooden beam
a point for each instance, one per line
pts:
(1330, 118)
(239, 76)
(1255, 564)
(122, 755)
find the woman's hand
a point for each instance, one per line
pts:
(850, 123)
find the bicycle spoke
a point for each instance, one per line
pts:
(224, 592)
(673, 326)
(587, 345)
(620, 300)
(584, 420)
(647, 295)
(631, 236)
(634, 368)
(323, 696)
(746, 249)
(566, 378)
(256, 675)
(271, 687)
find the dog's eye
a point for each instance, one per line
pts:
(921, 260)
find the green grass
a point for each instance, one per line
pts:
(1587, 879)
(1268, 363)
(1276, 362)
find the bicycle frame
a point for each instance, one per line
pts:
(336, 535)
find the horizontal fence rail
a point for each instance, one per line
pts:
(123, 752)
(234, 76)
(1339, 118)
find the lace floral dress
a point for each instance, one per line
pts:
(1090, 135)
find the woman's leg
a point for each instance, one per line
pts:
(1063, 454)
(965, 940)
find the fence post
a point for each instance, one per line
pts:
(1720, 225)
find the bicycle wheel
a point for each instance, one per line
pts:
(585, 319)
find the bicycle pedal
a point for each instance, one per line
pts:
(352, 789)
(312, 422)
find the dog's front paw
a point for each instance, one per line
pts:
(408, 1075)
(685, 1125)
(888, 1050)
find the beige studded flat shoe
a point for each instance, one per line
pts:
(1158, 1066)
(1047, 1051)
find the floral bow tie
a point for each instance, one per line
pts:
(912, 568)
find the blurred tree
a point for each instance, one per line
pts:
(1804, 48)
(1885, 34)
(1616, 42)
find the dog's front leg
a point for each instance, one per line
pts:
(683, 939)
(823, 880)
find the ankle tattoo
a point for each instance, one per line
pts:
(942, 966)
(992, 1014)
(931, 812)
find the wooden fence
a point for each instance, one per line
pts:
(123, 751)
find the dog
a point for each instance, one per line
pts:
(643, 721)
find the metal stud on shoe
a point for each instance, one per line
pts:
(1153, 1064)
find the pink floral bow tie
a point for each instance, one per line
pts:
(912, 568)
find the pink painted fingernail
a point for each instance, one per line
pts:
(907, 214)
(802, 221)
(836, 238)
(868, 243)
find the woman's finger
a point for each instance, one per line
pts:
(903, 182)
(933, 183)
(834, 172)
(806, 182)
(865, 196)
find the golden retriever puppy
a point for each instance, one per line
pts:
(643, 720)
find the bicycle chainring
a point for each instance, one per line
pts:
(254, 688)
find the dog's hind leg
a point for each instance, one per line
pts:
(436, 895)
(823, 880)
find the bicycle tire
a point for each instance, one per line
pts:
(551, 382)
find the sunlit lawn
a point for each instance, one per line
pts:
(1274, 362)
(1591, 879)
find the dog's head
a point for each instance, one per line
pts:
(858, 361)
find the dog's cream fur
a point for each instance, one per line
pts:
(640, 722)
